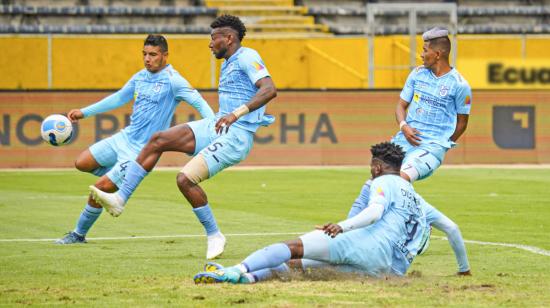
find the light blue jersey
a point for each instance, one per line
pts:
(237, 86)
(155, 95)
(390, 244)
(434, 104)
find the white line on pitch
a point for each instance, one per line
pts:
(140, 237)
(532, 249)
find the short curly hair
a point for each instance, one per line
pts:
(390, 153)
(230, 21)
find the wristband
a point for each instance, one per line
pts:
(241, 110)
(401, 124)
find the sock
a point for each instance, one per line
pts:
(267, 273)
(268, 257)
(205, 216)
(100, 171)
(362, 200)
(87, 218)
(134, 176)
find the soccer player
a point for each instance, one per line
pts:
(245, 87)
(157, 90)
(381, 240)
(432, 111)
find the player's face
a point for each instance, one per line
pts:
(153, 58)
(429, 55)
(219, 41)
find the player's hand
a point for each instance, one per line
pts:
(411, 134)
(224, 123)
(74, 115)
(331, 229)
(466, 273)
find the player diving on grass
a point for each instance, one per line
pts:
(381, 240)
(245, 87)
(156, 90)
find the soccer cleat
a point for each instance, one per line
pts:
(216, 244)
(226, 275)
(212, 267)
(111, 202)
(71, 238)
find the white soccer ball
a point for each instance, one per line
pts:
(56, 130)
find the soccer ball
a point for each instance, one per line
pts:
(56, 130)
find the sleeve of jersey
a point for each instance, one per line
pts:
(463, 99)
(113, 101)
(441, 222)
(379, 193)
(184, 92)
(254, 67)
(408, 90)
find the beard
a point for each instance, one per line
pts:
(221, 53)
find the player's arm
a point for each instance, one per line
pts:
(410, 133)
(184, 92)
(362, 201)
(115, 100)
(463, 104)
(461, 125)
(442, 223)
(366, 217)
(266, 92)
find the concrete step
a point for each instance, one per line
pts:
(265, 20)
(287, 35)
(263, 10)
(288, 28)
(224, 3)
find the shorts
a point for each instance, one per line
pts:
(425, 158)
(114, 153)
(220, 150)
(356, 251)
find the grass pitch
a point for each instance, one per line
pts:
(498, 206)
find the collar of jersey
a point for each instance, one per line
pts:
(234, 56)
(434, 76)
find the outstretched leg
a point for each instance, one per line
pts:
(179, 138)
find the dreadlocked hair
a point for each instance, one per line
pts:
(390, 153)
(230, 21)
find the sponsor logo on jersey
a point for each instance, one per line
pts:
(416, 97)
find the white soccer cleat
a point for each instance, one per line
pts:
(216, 244)
(113, 203)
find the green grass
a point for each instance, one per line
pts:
(507, 206)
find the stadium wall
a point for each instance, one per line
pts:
(107, 62)
(312, 128)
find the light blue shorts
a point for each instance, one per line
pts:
(356, 251)
(220, 151)
(425, 158)
(114, 153)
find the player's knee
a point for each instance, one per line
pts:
(106, 185)
(157, 142)
(183, 181)
(296, 248)
(82, 164)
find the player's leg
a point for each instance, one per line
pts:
(98, 159)
(421, 162)
(179, 138)
(225, 151)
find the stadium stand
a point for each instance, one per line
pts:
(280, 17)
(474, 16)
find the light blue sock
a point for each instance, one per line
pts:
(267, 273)
(87, 218)
(134, 176)
(268, 257)
(205, 216)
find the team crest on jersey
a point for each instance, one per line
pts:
(443, 91)
(157, 87)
